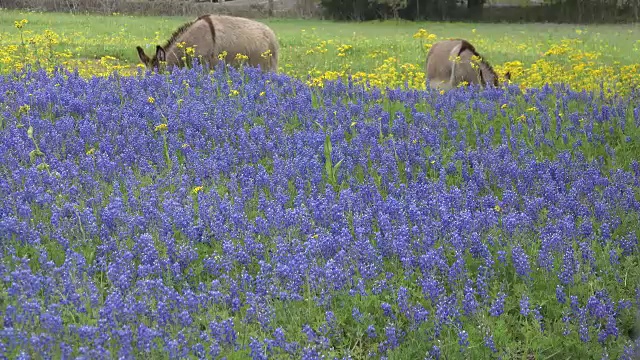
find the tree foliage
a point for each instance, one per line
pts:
(575, 11)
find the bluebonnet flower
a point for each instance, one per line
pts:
(631, 351)
(371, 331)
(560, 295)
(482, 285)
(524, 305)
(434, 352)
(569, 267)
(502, 257)
(463, 339)
(357, 315)
(257, 349)
(51, 322)
(538, 316)
(490, 344)
(520, 261)
(610, 329)
(387, 310)
(566, 320)
(497, 308)
(469, 301)
(629, 244)
(583, 325)
(393, 338)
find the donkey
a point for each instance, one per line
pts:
(211, 35)
(444, 70)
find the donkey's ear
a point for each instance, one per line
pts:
(143, 57)
(508, 75)
(161, 55)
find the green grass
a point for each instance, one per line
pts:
(93, 36)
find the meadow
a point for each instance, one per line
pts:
(378, 53)
(310, 214)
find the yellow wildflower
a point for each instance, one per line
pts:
(266, 54)
(241, 57)
(23, 109)
(190, 51)
(20, 24)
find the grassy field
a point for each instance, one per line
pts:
(385, 53)
(117, 36)
(251, 215)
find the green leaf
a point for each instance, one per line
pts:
(30, 132)
(42, 166)
(32, 155)
(337, 166)
(327, 154)
(328, 168)
(327, 144)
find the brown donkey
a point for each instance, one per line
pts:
(449, 62)
(211, 35)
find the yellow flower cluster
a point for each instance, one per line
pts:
(20, 24)
(391, 73)
(343, 50)
(320, 48)
(424, 35)
(48, 50)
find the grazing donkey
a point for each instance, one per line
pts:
(212, 35)
(449, 62)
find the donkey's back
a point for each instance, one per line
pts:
(449, 63)
(251, 38)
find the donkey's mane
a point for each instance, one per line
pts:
(467, 46)
(178, 32)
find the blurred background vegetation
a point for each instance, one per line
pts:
(557, 11)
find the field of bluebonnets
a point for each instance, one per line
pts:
(240, 215)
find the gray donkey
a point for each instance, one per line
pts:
(211, 35)
(444, 70)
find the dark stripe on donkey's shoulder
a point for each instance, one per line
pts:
(207, 19)
(465, 45)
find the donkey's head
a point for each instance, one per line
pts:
(154, 62)
(489, 76)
